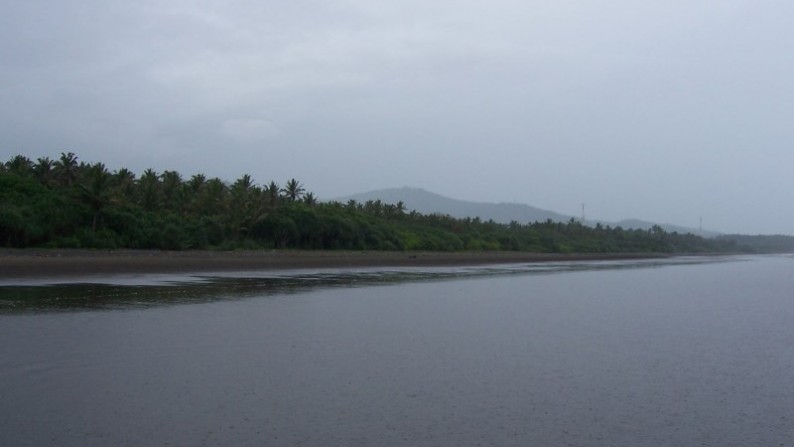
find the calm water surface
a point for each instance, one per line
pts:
(682, 352)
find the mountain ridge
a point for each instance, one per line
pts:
(427, 202)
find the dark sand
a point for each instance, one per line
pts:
(59, 263)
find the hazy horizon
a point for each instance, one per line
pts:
(661, 111)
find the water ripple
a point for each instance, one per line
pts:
(119, 292)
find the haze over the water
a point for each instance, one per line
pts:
(662, 110)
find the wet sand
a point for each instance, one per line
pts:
(63, 263)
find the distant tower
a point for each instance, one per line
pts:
(701, 225)
(583, 214)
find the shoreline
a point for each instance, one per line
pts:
(37, 263)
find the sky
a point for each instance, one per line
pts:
(668, 111)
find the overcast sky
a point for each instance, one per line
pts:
(662, 110)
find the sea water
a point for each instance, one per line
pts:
(679, 352)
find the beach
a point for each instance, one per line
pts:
(40, 263)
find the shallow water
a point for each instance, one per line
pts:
(687, 351)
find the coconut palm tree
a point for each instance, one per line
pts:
(42, 169)
(149, 185)
(211, 199)
(171, 188)
(20, 165)
(124, 179)
(66, 169)
(246, 205)
(310, 199)
(196, 183)
(192, 190)
(95, 190)
(243, 184)
(272, 193)
(293, 190)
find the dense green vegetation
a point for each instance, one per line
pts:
(760, 243)
(70, 203)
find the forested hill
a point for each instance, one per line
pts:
(427, 202)
(71, 203)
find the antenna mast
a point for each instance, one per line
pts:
(582, 213)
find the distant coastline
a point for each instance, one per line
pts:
(70, 204)
(36, 263)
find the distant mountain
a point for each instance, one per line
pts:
(427, 202)
(670, 228)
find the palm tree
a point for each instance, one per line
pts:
(196, 183)
(243, 184)
(149, 190)
(310, 199)
(272, 193)
(192, 190)
(66, 169)
(246, 205)
(42, 169)
(20, 165)
(172, 190)
(374, 207)
(125, 183)
(211, 200)
(96, 190)
(293, 190)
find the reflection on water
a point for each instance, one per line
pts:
(117, 292)
(656, 353)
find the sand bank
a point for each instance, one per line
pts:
(63, 263)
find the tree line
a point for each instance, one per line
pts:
(68, 203)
